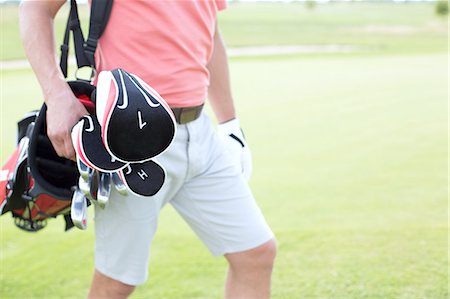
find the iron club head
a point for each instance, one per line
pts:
(83, 169)
(118, 184)
(93, 184)
(104, 189)
(84, 187)
(78, 211)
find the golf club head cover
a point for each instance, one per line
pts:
(137, 124)
(143, 179)
(89, 148)
(233, 139)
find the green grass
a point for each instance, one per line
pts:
(380, 27)
(350, 169)
(377, 27)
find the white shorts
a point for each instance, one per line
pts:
(205, 188)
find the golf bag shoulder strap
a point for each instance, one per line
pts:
(100, 12)
(73, 24)
(85, 50)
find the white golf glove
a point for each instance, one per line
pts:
(233, 138)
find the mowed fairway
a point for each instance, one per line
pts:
(350, 169)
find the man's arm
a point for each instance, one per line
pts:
(219, 95)
(63, 109)
(219, 91)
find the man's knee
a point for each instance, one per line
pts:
(265, 254)
(120, 290)
(106, 287)
(258, 258)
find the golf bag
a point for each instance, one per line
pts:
(35, 183)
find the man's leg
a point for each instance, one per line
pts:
(218, 205)
(104, 287)
(249, 273)
(125, 228)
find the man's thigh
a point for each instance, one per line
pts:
(216, 200)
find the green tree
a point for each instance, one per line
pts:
(310, 4)
(441, 8)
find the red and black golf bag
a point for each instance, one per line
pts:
(35, 183)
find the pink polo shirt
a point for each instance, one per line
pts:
(166, 43)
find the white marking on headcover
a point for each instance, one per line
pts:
(142, 174)
(141, 124)
(149, 102)
(124, 91)
(127, 169)
(91, 124)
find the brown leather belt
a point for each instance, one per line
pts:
(184, 115)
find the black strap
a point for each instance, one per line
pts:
(65, 50)
(69, 222)
(100, 12)
(73, 24)
(85, 51)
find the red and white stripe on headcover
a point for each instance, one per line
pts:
(106, 97)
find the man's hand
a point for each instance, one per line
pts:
(231, 134)
(63, 112)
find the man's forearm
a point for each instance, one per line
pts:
(63, 108)
(36, 28)
(219, 91)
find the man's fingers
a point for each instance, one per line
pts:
(62, 143)
(58, 144)
(70, 151)
(62, 114)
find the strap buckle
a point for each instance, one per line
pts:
(85, 73)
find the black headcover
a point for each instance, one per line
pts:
(137, 123)
(89, 147)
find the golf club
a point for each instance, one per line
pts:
(93, 184)
(78, 211)
(85, 188)
(83, 169)
(104, 189)
(118, 184)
